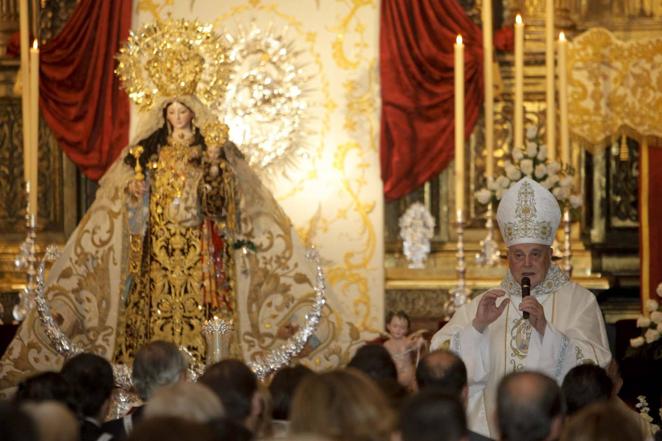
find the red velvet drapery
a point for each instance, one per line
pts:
(79, 95)
(416, 68)
(650, 231)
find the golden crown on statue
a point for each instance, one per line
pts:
(171, 58)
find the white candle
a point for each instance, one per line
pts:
(519, 83)
(563, 99)
(489, 87)
(25, 81)
(549, 77)
(459, 125)
(34, 126)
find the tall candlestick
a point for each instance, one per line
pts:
(549, 76)
(25, 81)
(519, 83)
(459, 125)
(563, 99)
(34, 127)
(489, 87)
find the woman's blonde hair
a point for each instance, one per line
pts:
(344, 404)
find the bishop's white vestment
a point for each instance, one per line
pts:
(575, 334)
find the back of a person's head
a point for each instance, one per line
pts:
(527, 405)
(433, 416)
(343, 404)
(282, 388)
(603, 421)
(585, 384)
(54, 421)
(375, 361)
(191, 401)
(442, 370)
(44, 386)
(91, 380)
(172, 429)
(15, 424)
(157, 364)
(235, 384)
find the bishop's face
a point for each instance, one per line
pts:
(179, 116)
(531, 260)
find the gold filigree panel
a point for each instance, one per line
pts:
(614, 86)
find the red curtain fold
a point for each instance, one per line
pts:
(79, 95)
(650, 231)
(416, 68)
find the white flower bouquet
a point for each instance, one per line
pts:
(651, 325)
(533, 162)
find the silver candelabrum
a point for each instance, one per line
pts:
(489, 248)
(26, 261)
(460, 293)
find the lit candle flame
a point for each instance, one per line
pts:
(518, 19)
(458, 40)
(562, 36)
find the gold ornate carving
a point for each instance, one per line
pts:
(418, 302)
(50, 166)
(614, 85)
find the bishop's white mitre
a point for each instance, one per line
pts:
(528, 213)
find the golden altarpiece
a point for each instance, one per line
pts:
(604, 239)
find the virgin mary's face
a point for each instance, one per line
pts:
(179, 116)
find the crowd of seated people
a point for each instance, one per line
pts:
(361, 402)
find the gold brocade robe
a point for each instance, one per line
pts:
(169, 296)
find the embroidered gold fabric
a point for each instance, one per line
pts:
(167, 301)
(614, 85)
(520, 334)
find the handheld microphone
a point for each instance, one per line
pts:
(526, 291)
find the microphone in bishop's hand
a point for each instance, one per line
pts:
(526, 291)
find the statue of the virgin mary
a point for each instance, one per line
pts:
(181, 230)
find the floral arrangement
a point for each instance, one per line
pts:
(533, 162)
(644, 410)
(652, 325)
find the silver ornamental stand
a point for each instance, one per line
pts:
(26, 261)
(489, 248)
(460, 293)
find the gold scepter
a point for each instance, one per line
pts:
(136, 152)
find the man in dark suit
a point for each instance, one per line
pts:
(91, 380)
